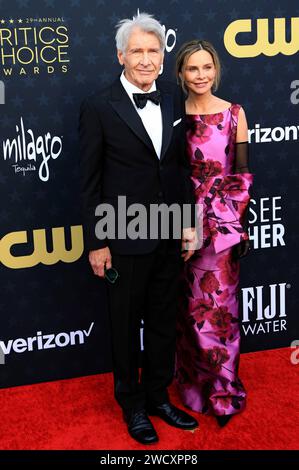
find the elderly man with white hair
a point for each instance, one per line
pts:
(133, 144)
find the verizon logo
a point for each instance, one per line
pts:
(48, 341)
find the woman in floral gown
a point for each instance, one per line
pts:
(208, 346)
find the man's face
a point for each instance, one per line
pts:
(142, 59)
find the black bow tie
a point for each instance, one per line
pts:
(140, 99)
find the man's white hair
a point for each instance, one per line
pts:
(143, 21)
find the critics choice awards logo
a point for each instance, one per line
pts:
(32, 45)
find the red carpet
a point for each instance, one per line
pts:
(81, 413)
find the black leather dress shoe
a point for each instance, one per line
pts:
(223, 420)
(140, 427)
(173, 416)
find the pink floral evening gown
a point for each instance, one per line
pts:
(208, 344)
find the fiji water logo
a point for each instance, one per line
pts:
(264, 309)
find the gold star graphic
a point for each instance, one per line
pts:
(11, 21)
(20, 21)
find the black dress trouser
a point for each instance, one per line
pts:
(146, 289)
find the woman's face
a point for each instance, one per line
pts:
(199, 73)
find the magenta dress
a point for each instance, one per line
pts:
(208, 344)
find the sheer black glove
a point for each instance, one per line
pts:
(242, 166)
(241, 249)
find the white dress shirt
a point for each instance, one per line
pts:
(151, 115)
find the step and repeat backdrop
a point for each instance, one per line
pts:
(54, 322)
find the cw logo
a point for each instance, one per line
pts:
(40, 253)
(262, 44)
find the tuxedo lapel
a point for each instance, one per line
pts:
(167, 119)
(124, 107)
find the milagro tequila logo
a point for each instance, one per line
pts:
(264, 309)
(170, 42)
(170, 39)
(29, 152)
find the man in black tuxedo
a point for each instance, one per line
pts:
(133, 144)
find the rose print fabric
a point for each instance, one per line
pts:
(208, 344)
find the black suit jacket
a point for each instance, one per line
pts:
(117, 157)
